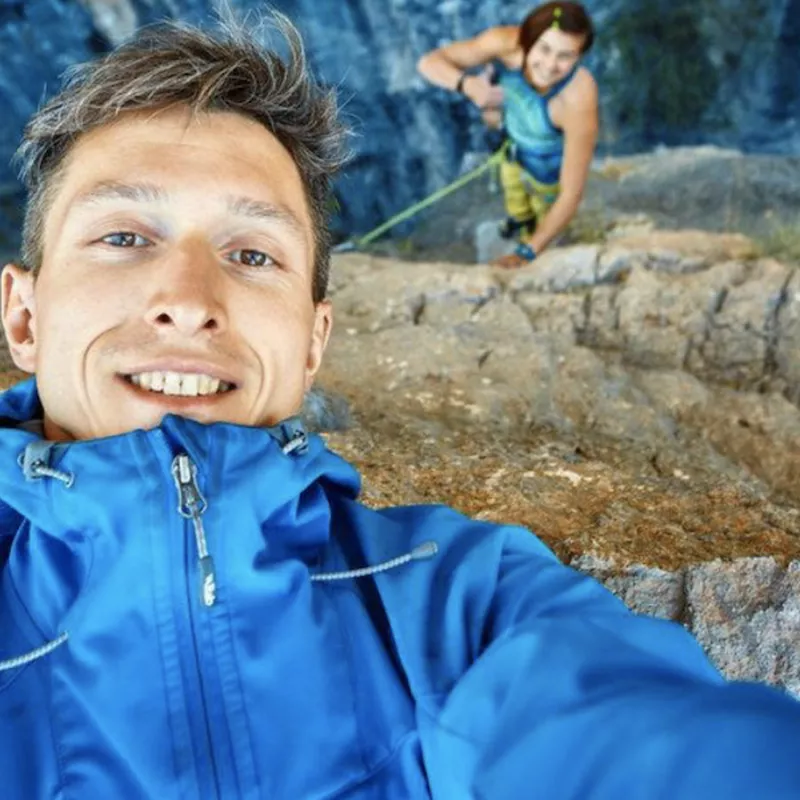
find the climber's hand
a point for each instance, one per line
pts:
(480, 89)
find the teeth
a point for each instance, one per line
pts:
(179, 383)
(172, 383)
(190, 384)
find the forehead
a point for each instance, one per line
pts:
(200, 154)
(562, 42)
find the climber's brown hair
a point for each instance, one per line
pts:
(568, 17)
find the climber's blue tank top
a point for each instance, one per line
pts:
(537, 144)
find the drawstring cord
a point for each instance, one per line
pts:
(419, 553)
(35, 463)
(33, 655)
(298, 444)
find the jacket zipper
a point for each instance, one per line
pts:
(192, 505)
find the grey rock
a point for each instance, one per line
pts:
(325, 411)
(713, 191)
(488, 243)
(645, 590)
(745, 613)
(559, 270)
(615, 263)
(735, 349)
(747, 617)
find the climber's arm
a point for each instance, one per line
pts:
(448, 65)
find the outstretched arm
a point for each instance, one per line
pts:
(580, 126)
(575, 698)
(448, 65)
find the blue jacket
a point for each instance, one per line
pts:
(189, 626)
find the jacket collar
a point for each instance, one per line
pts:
(278, 475)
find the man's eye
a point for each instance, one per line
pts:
(124, 239)
(250, 258)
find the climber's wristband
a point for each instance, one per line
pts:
(525, 251)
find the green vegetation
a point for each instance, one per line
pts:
(655, 43)
(781, 242)
(663, 61)
(587, 227)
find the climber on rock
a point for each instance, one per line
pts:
(535, 87)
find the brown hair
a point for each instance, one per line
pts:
(570, 18)
(172, 64)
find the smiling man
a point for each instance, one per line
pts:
(183, 243)
(194, 602)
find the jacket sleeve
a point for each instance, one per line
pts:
(574, 696)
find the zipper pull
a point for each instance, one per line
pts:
(192, 505)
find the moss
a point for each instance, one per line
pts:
(663, 76)
(664, 59)
(612, 171)
(781, 242)
(587, 227)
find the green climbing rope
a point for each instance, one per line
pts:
(463, 180)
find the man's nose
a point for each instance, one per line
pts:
(187, 295)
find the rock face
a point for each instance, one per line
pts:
(635, 404)
(647, 344)
(745, 614)
(718, 71)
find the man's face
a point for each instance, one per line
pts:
(177, 275)
(552, 56)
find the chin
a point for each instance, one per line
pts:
(206, 416)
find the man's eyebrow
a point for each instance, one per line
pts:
(241, 206)
(118, 190)
(271, 212)
(150, 193)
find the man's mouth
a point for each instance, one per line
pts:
(181, 384)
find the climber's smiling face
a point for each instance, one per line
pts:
(176, 277)
(552, 56)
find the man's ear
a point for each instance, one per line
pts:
(19, 315)
(323, 322)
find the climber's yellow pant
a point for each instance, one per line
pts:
(525, 198)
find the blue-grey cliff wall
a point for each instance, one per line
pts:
(671, 71)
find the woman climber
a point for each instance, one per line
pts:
(535, 88)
